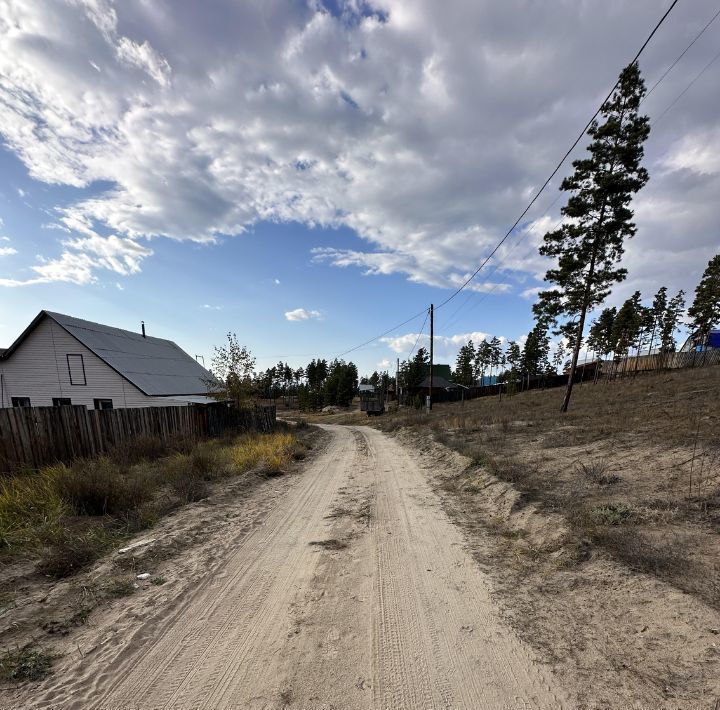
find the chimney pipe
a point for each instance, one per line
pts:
(142, 323)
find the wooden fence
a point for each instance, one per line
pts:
(35, 436)
(661, 361)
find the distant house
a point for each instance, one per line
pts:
(60, 360)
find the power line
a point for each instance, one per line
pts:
(681, 55)
(653, 122)
(382, 335)
(689, 86)
(560, 163)
(533, 200)
(654, 86)
(422, 330)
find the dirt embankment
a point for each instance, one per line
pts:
(600, 529)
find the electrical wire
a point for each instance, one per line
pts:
(559, 165)
(382, 335)
(532, 201)
(688, 87)
(681, 55)
(662, 77)
(422, 330)
(653, 122)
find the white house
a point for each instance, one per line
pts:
(61, 360)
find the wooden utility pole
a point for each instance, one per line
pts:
(432, 338)
(397, 382)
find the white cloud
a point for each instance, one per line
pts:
(443, 345)
(276, 282)
(698, 152)
(302, 314)
(82, 257)
(208, 307)
(424, 128)
(7, 251)
(383, 364)
(119, 286)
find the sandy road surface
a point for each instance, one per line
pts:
(355, 592)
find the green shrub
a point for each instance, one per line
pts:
(25, 664)
(612, 514)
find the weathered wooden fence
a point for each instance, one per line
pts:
(661, 361)
(35, 436)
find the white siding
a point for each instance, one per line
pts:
(38, 369)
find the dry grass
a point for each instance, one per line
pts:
(67, 516)
(633, 468)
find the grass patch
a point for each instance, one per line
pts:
(68, 516)
(30, 506)
(612, 514)
(27, 664)
(271, 453)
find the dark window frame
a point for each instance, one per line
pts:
(19, 402)
(62, 402)
(97, 403)
(82, 362)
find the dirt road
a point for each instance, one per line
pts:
(355, 592)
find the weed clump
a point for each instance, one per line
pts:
(26, 664)
(69, 552)
(101, 487)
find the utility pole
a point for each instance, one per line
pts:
(397, 382)
(432, 339)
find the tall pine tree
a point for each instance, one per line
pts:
(590, 244)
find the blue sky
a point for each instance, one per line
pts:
(309, 174)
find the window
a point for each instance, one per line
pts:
(20, 401)
(103, 403)
(61, 401)
(76, 368)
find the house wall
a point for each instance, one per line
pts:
(38, 369)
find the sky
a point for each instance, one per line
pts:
(309, 174)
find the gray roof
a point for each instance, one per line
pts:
(439, 383)
(155, 366)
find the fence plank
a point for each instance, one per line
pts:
(41, 435)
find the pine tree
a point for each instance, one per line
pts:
(535, 353)
(669, 324)
(705, 310)
(495, 353)
(483, 355)
(558, 357)
(513, 356)
(464, 365)
(413, 372)
(659, 306)
(627, 326)
(601, 336)
(590, 244)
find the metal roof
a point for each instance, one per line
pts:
(155, 366)
(440, 383)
